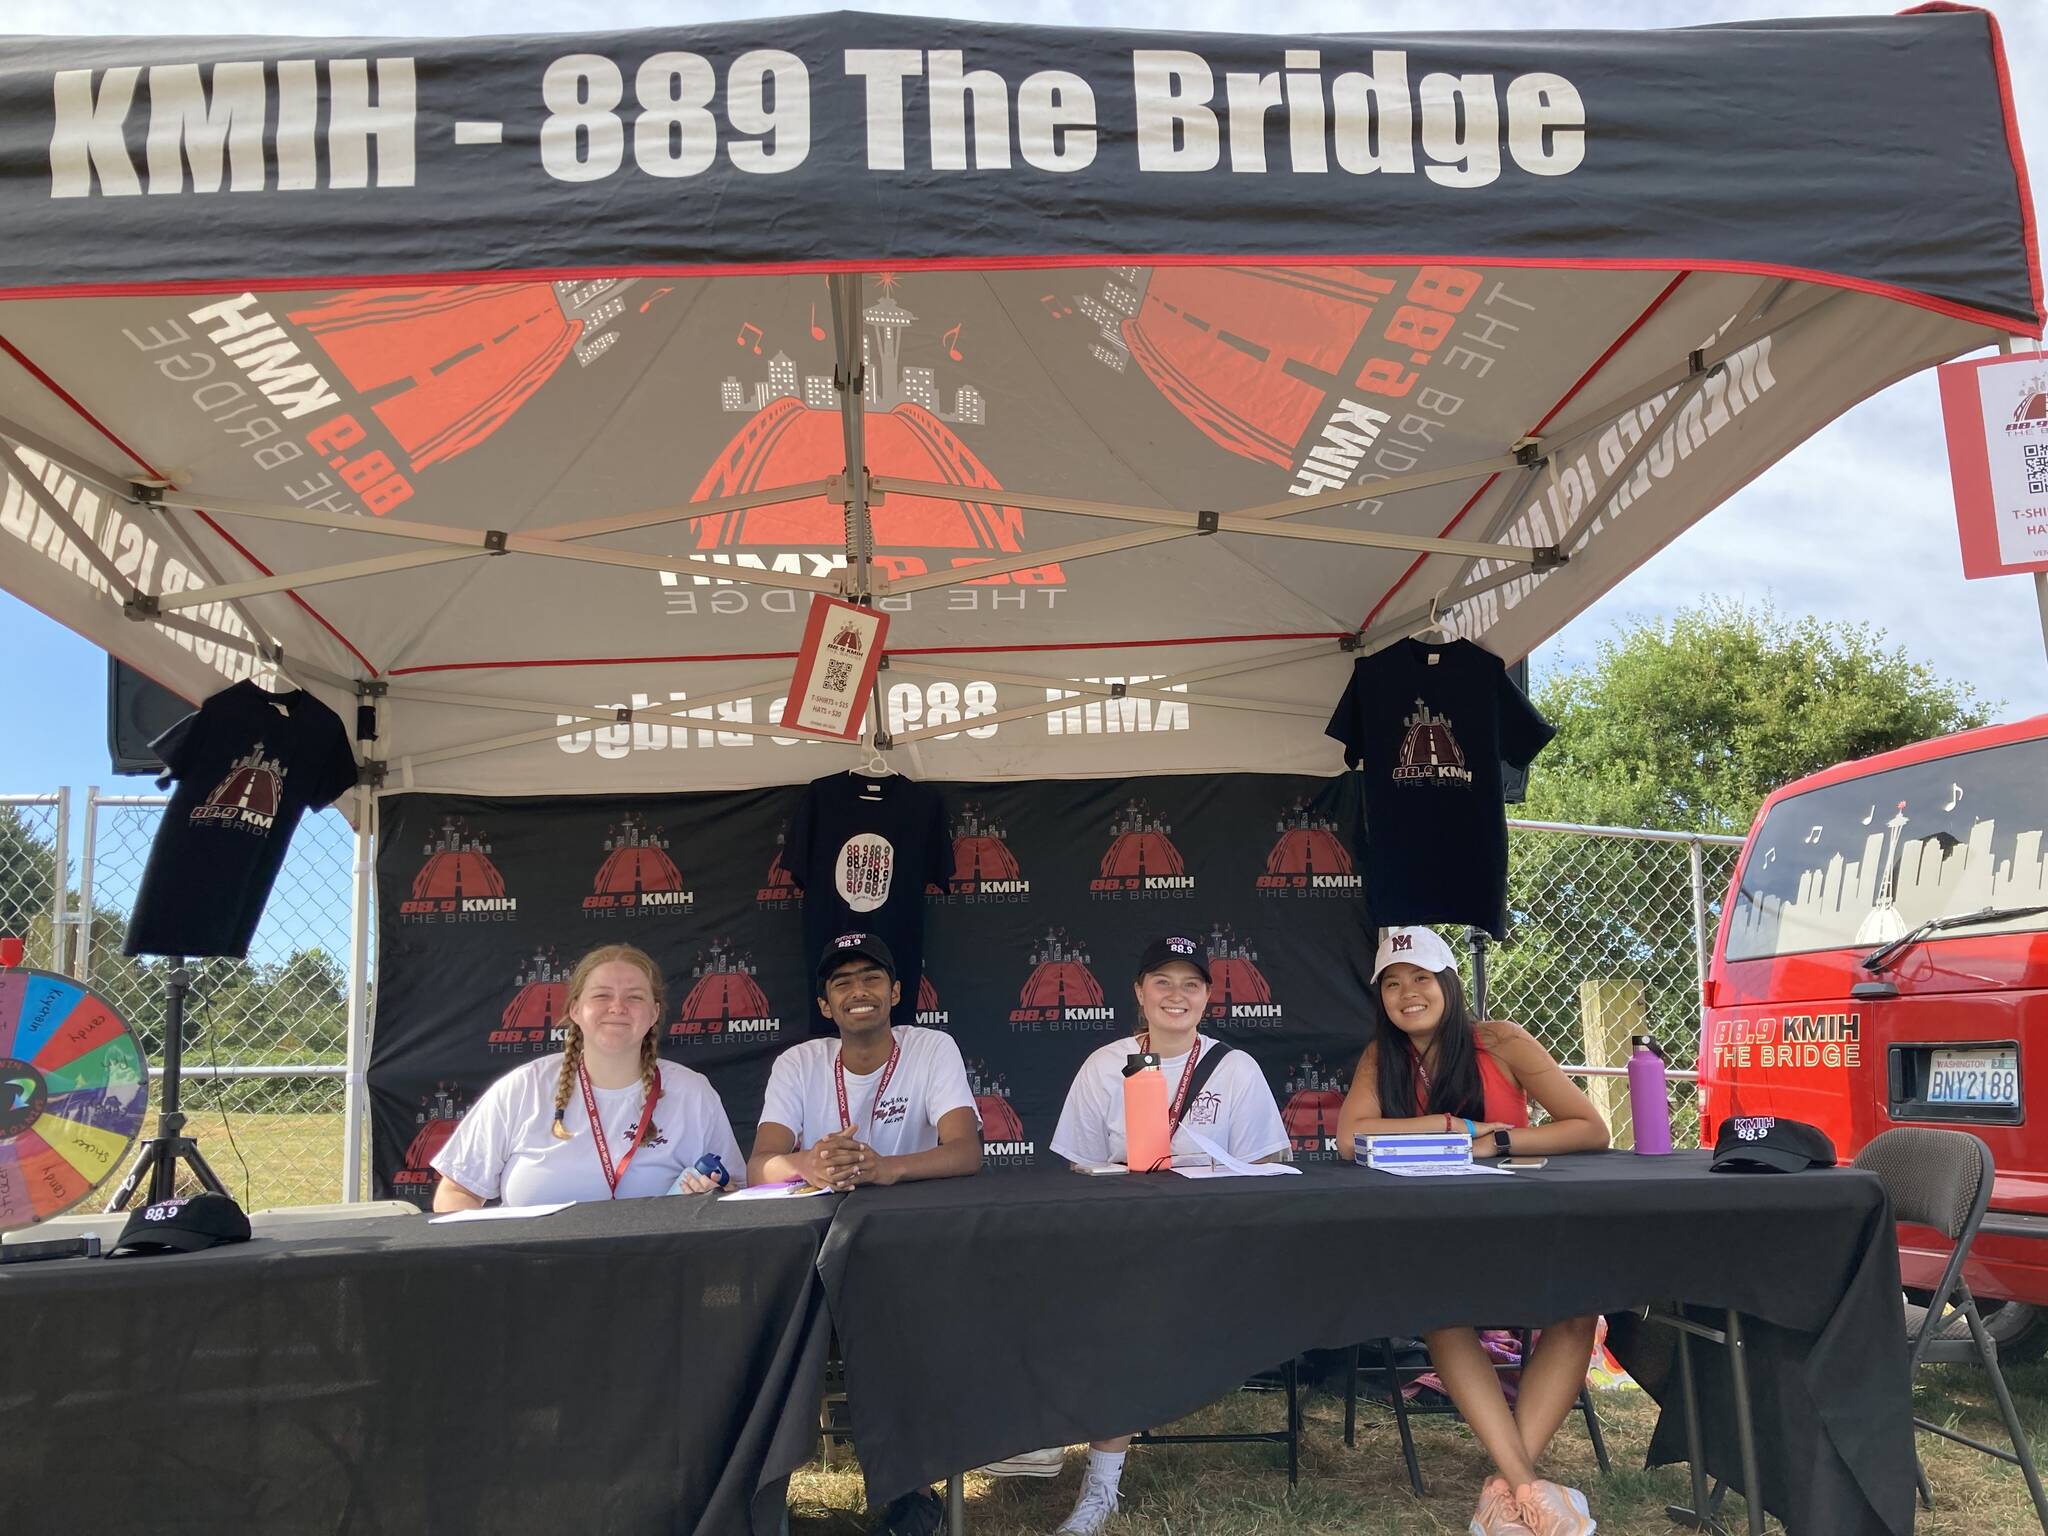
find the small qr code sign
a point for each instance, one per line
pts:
(835, 668)
(1995, 413)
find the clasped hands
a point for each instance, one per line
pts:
(840, 1161)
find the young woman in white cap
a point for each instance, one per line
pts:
(1214, 1090)
(529, 1141)
(1431, 1067)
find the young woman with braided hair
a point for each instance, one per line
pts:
(1431, 1067)
(529, 1141)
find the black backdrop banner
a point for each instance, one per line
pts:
(486, 904)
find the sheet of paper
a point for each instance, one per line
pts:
(1226, 1165)
(501, 1213)
(795, 1189)
(1443, 1171)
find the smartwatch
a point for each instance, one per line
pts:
(1501, 1144)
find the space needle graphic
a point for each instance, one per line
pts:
(1882, 923)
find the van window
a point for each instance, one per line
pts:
(1858, 863)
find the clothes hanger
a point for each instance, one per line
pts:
(874, 765)
(1437, 624)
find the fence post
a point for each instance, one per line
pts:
(355, 1098)
(1699, 940)
(85, 867)
(60, 884)
(1611, 1010)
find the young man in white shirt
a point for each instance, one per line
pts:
(875, 1106)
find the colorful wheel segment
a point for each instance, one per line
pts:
(74, 1088)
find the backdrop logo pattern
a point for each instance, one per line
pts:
(1141, 859)
(457, 882)
(433, 1123)
(1003, 1142)
(1061, 992)
(984, 868)
(1310, 1098)
(637, 875)
(929, 1012)
(536, 1019)
(1308, 857)
(778, 890)
(724, 997)
(1238, 990)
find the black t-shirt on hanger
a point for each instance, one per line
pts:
(1431, 725)
(863, 849)
(248, 764)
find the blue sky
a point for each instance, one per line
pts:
(1842, 517)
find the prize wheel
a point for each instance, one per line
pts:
(74, 1088)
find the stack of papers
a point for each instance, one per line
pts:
(1224, 1166)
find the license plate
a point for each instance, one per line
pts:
(1974, 1077)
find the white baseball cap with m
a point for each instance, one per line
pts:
(1412, 946)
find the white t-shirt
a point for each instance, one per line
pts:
(505, 1148)
(1234, 1109)
(930, 1081)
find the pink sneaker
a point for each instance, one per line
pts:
(1549, 1510)
(1496, 1514)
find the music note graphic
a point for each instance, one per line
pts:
(1812, 837)
(1867, 815)
(817, 330)
(652, 297)
(1053, 307)
(952, 341)
(1955, 794)
(759, 336)
(1769, 855)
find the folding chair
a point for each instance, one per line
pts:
(1396, 1374)
(1289, 1381)
(1942, 1179)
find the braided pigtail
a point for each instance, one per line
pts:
(572, 1058)
(650, 1073)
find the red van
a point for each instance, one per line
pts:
(1882, 960)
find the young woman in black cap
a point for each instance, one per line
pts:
(1212, 1089)
(1430, 1067)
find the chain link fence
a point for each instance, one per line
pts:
(1608, 931)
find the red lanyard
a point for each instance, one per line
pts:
(1187, 1077)
(1421, 1081)
(597, 1130)
(839, 1079)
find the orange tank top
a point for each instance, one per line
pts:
(1505, 1104)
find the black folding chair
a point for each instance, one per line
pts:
(1942, 1179)
(1288, 1380)
(1396, 1375)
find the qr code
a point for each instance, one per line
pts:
(838, 675)
(2035, 457)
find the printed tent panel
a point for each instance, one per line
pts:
(550, 437)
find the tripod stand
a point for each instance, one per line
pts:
(160, 1155)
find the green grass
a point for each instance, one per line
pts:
(1242, 1490)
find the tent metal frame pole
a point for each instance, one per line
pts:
(195, 597)
(113, 482)
(58, 513)
(355, 1107)
(1164, 691)
(849, 377)
(407, 763)
(694, 512)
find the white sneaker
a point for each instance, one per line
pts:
(1092, 1510)
(1049, 1462)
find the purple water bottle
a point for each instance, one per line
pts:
(1649, 1102)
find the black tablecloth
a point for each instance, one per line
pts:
(983, 1316)
(641, 1366)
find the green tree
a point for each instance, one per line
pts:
(27, 881)
(1683, 725)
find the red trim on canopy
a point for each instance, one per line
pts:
(1890, 291)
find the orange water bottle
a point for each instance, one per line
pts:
(1148, 1143)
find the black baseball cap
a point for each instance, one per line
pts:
(852, 946)
(1770, 1144)
(184, 1225)
(1162, 952)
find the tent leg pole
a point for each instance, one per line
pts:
(2041, 600)
(355, 1099)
